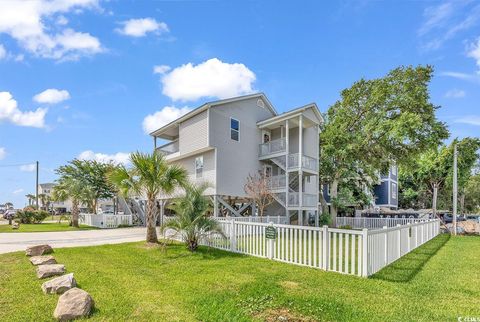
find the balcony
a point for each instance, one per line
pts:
(278, 182)
(169, 148)
(272, 147)
(308, 200)
(308, 163)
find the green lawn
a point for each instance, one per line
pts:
(436, 282)
(30, 228)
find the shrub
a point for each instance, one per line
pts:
(31, 216)
(325, 219)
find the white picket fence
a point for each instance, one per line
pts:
(255, 219)
(105, 221)
(373, 223)
(344, 251)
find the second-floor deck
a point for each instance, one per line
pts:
(169, 148)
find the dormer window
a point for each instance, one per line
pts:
(234, 129)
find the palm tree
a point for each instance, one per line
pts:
(75, 190)
(149, 176)
(191, 221)
(45, 200)
(30, 198)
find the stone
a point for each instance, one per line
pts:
(42, 260)
(470, 227)
(38, 250)
(49, 270)
(15, 225)
(73, 304)
(59, 285)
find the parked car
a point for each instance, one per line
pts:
(474, 218)
(449, 219)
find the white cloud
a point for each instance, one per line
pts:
(3, 52)
(17, 191)
(160, 118)
(471, 120)
(140, 27)
(455, 93)
(9, 111)
(474, 51)
(119, 158)
(212, 78)
(52, 96)
(444, 21)
(161, 69)
(33, 25)
(28, 167)
(3, 153)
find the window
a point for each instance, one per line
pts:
(199, 166)
(234, 129)
(394, 190)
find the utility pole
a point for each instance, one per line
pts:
(36, 187)
(455, 188)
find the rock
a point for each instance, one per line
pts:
(44, 271)
(15, 225)
(38, 250)
(469, 227)
(43, 260)
(59, 285)
(73, 304)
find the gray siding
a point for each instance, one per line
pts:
(209, 174)
(193, 133)
(236, 160)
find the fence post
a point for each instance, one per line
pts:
(408, 237)
(385, 249)
(271, 245)
(326, 248)
(233, 239)
(399, 239)
(365, 252)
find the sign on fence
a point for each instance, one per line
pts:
(270, 232)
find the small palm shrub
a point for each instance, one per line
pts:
(191, 222)
(30, 215)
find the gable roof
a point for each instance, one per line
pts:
(293, 112)
(207, 105)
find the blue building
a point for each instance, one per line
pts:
(385, 194)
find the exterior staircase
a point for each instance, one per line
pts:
(133, 207)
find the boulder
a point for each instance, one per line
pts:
(42, 260)
(470, 227)
(15, 225)
(38, 250)
(73, 304)
(59, 285)
(44, 271)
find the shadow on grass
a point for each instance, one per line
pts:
(404, 269)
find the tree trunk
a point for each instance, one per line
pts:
(462, 202)
(323, 202)
(151, 229)
(434, 201)
(75, 213)
(94, 205)
(333, 195)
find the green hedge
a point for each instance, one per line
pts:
(31, 216)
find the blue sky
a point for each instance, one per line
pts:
(88, 78)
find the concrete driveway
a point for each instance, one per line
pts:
(11, 242)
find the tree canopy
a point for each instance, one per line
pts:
(377, 122)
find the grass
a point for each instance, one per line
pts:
(44, 227)
(133, 282)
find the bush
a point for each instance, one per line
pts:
(31, 216)
(325, 219)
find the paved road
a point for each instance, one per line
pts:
(11, 242)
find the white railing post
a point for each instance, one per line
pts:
(365, 256)
(399, 239)
(385, 243)
(408, 236)
(233, 239)
(325, 248)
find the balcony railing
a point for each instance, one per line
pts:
(274, 146)
(307, 162)
(169, 148)
(309, 200)
(277, 182)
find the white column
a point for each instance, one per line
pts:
(287, 150)
(300, 172)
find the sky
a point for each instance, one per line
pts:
(90, 78)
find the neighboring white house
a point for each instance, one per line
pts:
(222, 142)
